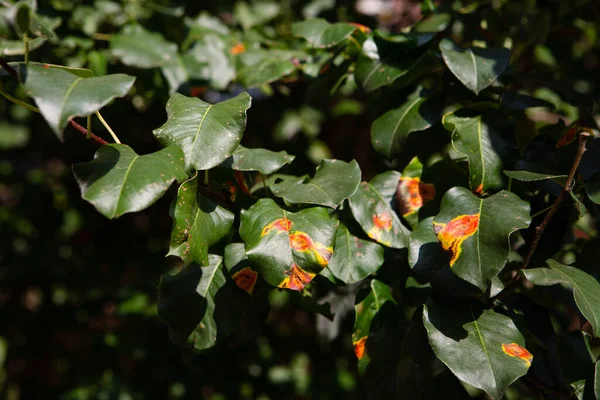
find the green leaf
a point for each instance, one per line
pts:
(597, 380)
(257, 13)
(20, 15)
(333, 182)
(261, 160)
(485, 349)
(479, 138)
(354, 259)
(137, 47)
(476, 67)
(198, 223)
(376, 217)
(390, 131)
(119, 181)
(320, 33)
(527, 176)
(475, 238)
(60, 95)
(17, 47)
(207, 133)
(592, 188)
(288, 249)
(518, 101)
(586, 289)
(261, 66)
(13, 136)
(212, 51)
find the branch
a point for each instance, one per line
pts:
(85, 133)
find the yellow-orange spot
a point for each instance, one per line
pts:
(361, 27)
(245, 279)
(413, 194)
(383, 221)
(232, 190)
(300, 241)
(479, 189)
(360, 347)
(452, 235)
(239, 48)
(279, 225)
(296, 278)
(514, 350)
(568, 137)
(322, 254)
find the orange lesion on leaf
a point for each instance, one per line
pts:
(452, 235)
(569, 136)
(413, 194)
(361, 27)
(296, 278)
(239, 48)
(360, 347)
(514, 350)
(479, 189)
(279, 225)
(382, 222)
(245, 279)
(232, 189)
(301, 242)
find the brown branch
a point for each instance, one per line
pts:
(9, 69)
(87, 134)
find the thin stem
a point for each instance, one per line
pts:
(89, 125)
(19, 102)
(510, 179)
(206, 177)
(102, 36)
(107, 127)
(542, 211)
(26, 44)
(85, 132)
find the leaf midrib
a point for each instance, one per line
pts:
(66, 98)
(200, 127)
(480, 337)
(404, 114)
(123, 184)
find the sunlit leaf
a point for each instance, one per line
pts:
(138, 47)
(261, 160)
(320, 33)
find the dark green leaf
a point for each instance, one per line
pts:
(261, 160)
(592, 188)
(586, 289)
(207, 133)
(137, 47)
(333, 182)
(119, 181)
(198, 223)
(518, 101)
(20, 16)
(475, 238)
(288, 249)
(60, 95)
(320, 33)
(527, 176)
(476, 67)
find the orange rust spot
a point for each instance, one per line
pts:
(245, 279)
(479, 189)
(568, 137)
(452, 235)
(383, 221)
(296, 278)
(232, 189)
(46, 66)
(413, 194)
(197, 91)
(239, 178)
(300, 241)
(239, 48)
(360, 347)
(280, 225)
(514, 350)
(361, 27)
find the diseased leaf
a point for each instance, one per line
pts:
(320, 33)
(261, 160)
(137, 47)
(207, 133)
(476, 67)
(119, 181)
(333, 182)
(288, 249)
(412, 193)
(484, 349)
(586, 289)
(60, 95)
(354, 259)
(198, 223)
(475, 232)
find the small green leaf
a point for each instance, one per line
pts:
(212, 51)
(207, 133)
(334, 182)
(483, 349)
(475, 238)
(261, 66)
(527, 176)
(586, 289)
(320, 33)
(198, 223)
(592, 188)
(256, 13)
(476, 67)
(60, 95)
(261, 160)
(354, 259)
(20, 15)
(137, 47)
(288, 249)
(119, 181)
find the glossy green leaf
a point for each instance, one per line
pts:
(207, 133)
(527, 176)
(333, 182)
(261, 160)
(198, 223)
(288, 249)
(475, 238)
(482, 142)
(137, 47)
(586, 289)
(17, 47)
(376, 217)
(354, 259)
(476, 67)
(320, 33)
(61, 95)
(119, 181)
(484, 349)
(390, 131)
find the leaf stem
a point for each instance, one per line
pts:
(102, 36)
(89, 125)
(112, 133)
(87, 133)
(20, 102)
(26, 45)
(542, 211)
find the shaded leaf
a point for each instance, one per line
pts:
(586, 289)
(137, 47)
(476, 67)
(320, 33)
(288, 249)
(333, 182)
(527, 176)
(475, 238)
(207, 133)
(519, 101)
(592, 188)
(412, 193)
(119, 181)
(261, 160)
